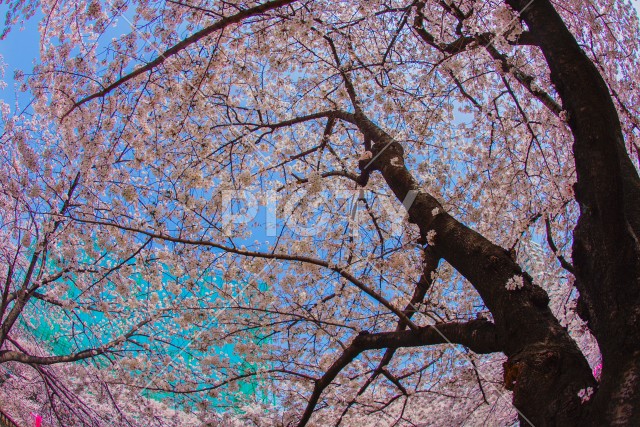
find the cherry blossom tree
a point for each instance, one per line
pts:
(438, 207)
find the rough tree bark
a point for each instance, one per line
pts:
(545, 369)
(606, 251)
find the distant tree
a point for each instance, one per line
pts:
(449, 202)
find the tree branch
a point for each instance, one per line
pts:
(563, 262)
(23, 357)
(285, 257)
(219, 25)
(479, 335)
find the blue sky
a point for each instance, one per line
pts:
(19, 51)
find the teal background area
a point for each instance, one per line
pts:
(55, 330)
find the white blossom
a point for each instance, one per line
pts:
(515, 282)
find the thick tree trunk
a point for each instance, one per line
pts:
(545, 369)
(606, 250)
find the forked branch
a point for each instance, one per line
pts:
(478, 335)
